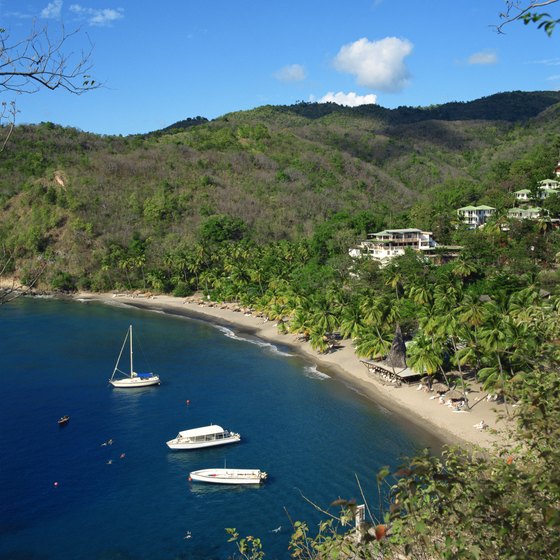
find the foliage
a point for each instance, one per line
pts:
(528, 11)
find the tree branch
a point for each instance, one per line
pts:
(517, 10)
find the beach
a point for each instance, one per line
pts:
(409, 401)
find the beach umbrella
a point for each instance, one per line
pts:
(455, 395)
(440, 388)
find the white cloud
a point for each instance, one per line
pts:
(291, 73)
(105, 16)
(483, 57)
(549, 62)
(52, 11)
(349, 99)
(554, 78)
(376, 64)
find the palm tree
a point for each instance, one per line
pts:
(463, 267)
(424, 355)
(420, 294)
(351, 321)
(318, 340)
(372, 343)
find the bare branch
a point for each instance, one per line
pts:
(518, 10)
(13, 289)
(42, 60)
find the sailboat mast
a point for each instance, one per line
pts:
(131, 366)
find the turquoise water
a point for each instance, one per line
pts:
(65, 496)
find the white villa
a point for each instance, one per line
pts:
(525, 213)
(389, 243)
(546, 187)
(475, 216)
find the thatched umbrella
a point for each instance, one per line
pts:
(397, 354)
(455, 395)
(426, 380)
(440, 388)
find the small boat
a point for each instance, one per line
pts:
(229, 476)
(131, 379)
(63, 420)
(206, 436)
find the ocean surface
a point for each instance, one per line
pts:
(66, 496)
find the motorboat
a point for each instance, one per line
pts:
(229, 476)
(131, 379)
(62, 421)
(206, 436)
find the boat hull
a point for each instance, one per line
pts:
(179, 444)
(229, 476)
(133, 382)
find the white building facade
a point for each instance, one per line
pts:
(475, 216)
(390, 243)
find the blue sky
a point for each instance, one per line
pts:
(161, 62)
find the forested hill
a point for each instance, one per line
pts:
(514, 106)
(268, 174)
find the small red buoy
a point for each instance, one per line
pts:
(190, 479)
(188, 402)
(56, 484)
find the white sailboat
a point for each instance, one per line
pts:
(131, 379)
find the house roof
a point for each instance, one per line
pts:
(471, 208)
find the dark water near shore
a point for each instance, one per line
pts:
(310, 432)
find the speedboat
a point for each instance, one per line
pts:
(206, 436)
(63, 420)
(229, 476)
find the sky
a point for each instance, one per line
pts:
(163, 61)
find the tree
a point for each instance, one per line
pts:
(42, 60)
(528, 11)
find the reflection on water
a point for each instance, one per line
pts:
(204, 488)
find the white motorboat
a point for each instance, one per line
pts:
(229, 476)
(131, 379)
(206, 436)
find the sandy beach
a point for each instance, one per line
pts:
(416, 406)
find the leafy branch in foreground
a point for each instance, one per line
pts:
(525, 12)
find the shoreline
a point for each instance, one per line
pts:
(408, 403)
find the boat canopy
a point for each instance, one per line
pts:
(144, 375)
(204, 431)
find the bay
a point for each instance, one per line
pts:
(66, 496)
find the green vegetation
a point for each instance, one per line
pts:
(261, 207)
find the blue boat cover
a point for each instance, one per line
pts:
(144, 375)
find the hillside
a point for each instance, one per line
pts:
(274, 172)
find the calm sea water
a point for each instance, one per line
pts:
(65, 496)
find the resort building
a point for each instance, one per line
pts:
(525, 213)
(389, 243)
(546, 187)
(475, 216)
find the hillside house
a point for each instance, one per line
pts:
(389, 243)
(546, 187)
(475, 216)
(531, 213)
